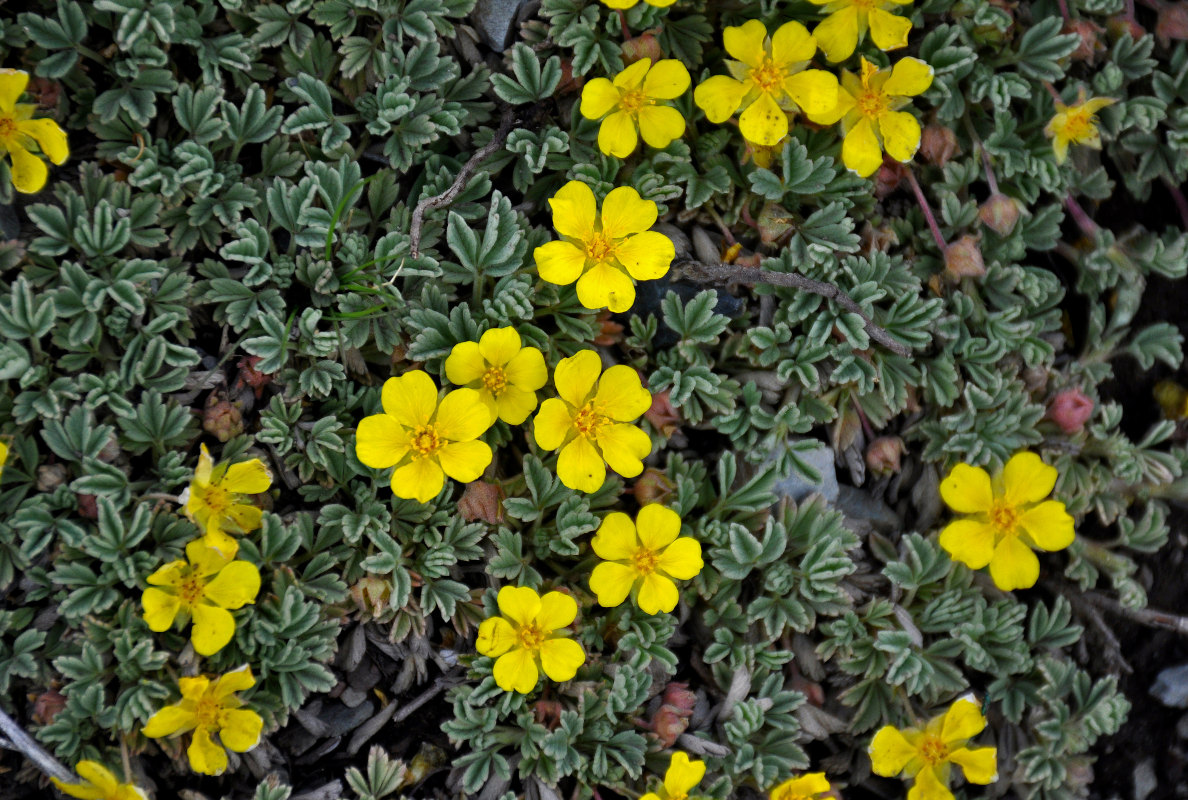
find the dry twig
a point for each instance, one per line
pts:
(447, 197)
(731, 275)
(1151, 617)
(16, 739)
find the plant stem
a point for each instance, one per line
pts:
(24, 744)
(924, 207)
(1079, 215)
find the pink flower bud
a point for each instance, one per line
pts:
(963, 259)
(999, 213)
(883, 455)
(1070, 409)
(938, 144)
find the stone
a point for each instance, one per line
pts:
(495, 20)
(1171, 686)
(795, 487)
(1145, 781)
(865, 510)
(340, 719)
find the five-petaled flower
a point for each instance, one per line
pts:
(505, 375)
(805, 787)
(206, 588)
(529, 638)
(839, 33)
(604, 251)
(1076, 124)
(215, 503)
(680, 778)
(868, 107)
(769, 81)
(630, 100)
(589, 421)
(927, 754)
(643, 558)
(209, 709)
(1008, 516)
(98, 783)
(423, 439)
(19, 133)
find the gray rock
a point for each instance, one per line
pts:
(866, 511)
(1145, 781)
(796, 488)
(495, 20)
(340, 719)
(1171, 686)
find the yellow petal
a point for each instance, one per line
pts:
(624, 447)
(465, 461)
(193, 689)
(560, 658)
(419, 480)
(860, 149)
(557, 610)
(380, 441)
(234, 681)
(606, 286)
(599, 98)
(575, 376)
(552, 425)
(559, 262)
(719, 97)
(928, 786)
(574, 210)
(980, 764)
(624, 212)
(646, 255)
(888, 31)
(909, 77)
(815, 91)
(465, 363)
(967, 490)
(659, 125)
(235, 586)
(901, 135)
(168, 575)
(657, 594)
(890, 752)
(241, 729)
(792, 44)
(29, 172)
(495, 637)
(616, 539)
(241, 518)
(49, 137)
(763, 122)
(580, 467)
(1027, 479)
(1060, 148)
(611, 583)
(969, 541)
(805, 786)
(514, 405)
(213, 629)
(632, 76)
(1049, 525)
(527, 370)
(682, 774)
(206, 757)
(168, 721)
(746, 42)
(98, 775)
(622, 394)
(80, 790)
(12, 86)
(462, 416)
(658, 526)
(160, 608)
(215, 537)
(205, 466)
(520, 604)
(411, 398)
(837, 34)
(681, 559)
(205, 560)
(617, 135)
(516, 671)
(499, 345)
(1014, 566)
(962, 722)
(668, 80)
(845, 103)
(247, 477)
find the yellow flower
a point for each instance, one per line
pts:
(19, 133)
(210, 709)
(1076, 124)
(423, 439)
(604, 251)
(806, 787)
(3, 457)
(868, 107)
(643, 557)
(839, 33)
(632, 97)
(1007, 519)
(214, 500)
(625, 4)
(769, 81)
(682, 775)
(927, 755)
(505, 374)
(205, 588)
(530, 637)
(589, 421)
(98, 784)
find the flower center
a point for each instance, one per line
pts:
(8, 127)
(494, 380)
(864, 5)
(600, 247)
(590, 420)
(645, 561)
(871, 103)
(1079, 125)
(633, 101)
(425, 441)
(206, 712)
(933, 750)
(216, 498)
(190, 588)
(1005, 518)
(531, 637)
(768, 77)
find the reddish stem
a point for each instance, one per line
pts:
(623, 22)
(1063, 9)
(928, 216)
(1180, 201)
(1080, 216)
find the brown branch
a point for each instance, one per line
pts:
(447, 197)
(23, 743)
(730, 275)
(1150, 617)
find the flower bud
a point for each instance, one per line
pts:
(1172, 23)
(888, 178)
(481, 500)
(221, 418)
(251, 377)
(672, 718)
(643, 46)
(938, 144)
(371, 594)
(999, 213)
(1121, 25)
(51, 476)
(1070, 409)
(1089, 33)
(884, 454)
(662, 415)
(653, 486)
(963, 259)
(1172, 398)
